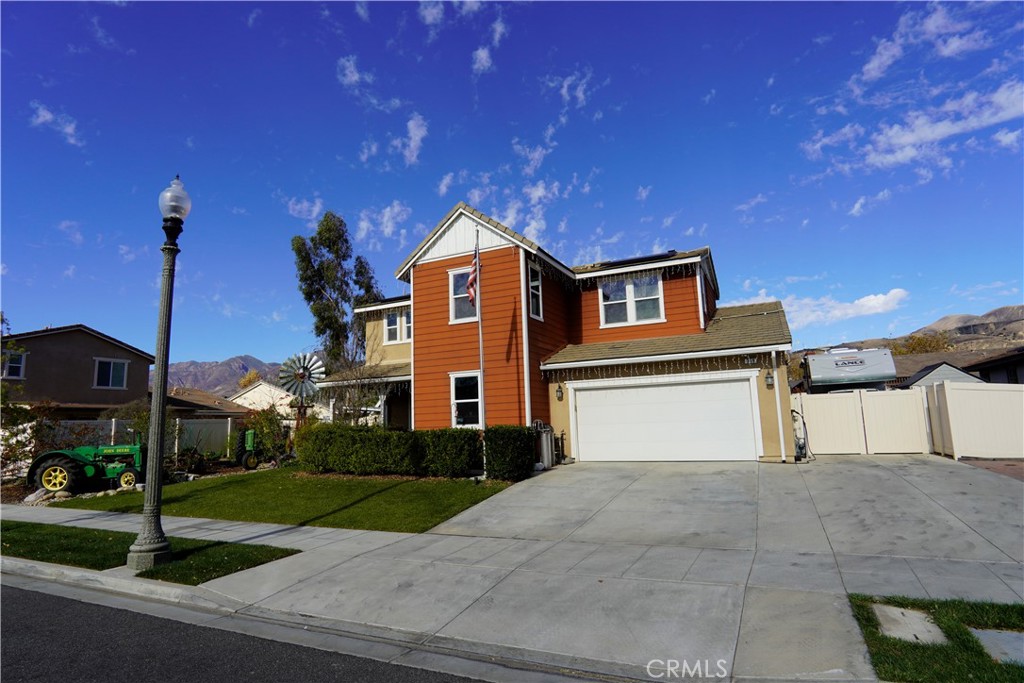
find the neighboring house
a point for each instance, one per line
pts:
(81, 371)
(1007, 368)
(631, 359)
(185, 402)
(262, 394)
(936, 374)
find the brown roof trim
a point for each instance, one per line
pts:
(80, 328)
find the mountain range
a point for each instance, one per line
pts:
(1002, 328)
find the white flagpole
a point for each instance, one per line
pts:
(480, 338)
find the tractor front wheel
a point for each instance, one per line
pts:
(250, 460)
(128, 478)
(57, 474)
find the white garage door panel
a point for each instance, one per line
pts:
(692, 421)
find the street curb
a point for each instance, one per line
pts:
(415, 649)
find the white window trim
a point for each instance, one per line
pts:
(24, 357)
(452, 376)
(530, 270)
(96, 368)
(404, 327)
(631, 304)
(452, 320)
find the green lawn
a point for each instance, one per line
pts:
(962, 659)
(192, 561)
(290, 496)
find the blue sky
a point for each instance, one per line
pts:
(859, 161)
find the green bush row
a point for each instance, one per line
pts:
(449, 453)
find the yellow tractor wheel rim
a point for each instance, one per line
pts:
(55, 478)
(251, 461)
(128, 479)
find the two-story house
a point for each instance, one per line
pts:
(631, 359)
(81, 371)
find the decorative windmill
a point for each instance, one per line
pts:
(299, 375)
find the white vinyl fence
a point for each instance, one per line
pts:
(952, 418)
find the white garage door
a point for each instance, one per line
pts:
(713, 420)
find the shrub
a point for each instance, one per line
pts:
(342, 448)
(271, 438)
(450, 452)
(510, 452)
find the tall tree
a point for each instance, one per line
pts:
(332, 282)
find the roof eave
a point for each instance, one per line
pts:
(685, 355)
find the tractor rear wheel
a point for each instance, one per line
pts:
(57, 474)
(128, 478)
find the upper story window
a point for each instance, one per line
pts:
(536, 302)
(398, 327)
(14, 365)
(632, 301)
(111, 374)
(460, 308)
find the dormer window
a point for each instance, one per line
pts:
(632, 301)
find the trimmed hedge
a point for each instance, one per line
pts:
(326, 447)
(510, 452)
(450, 452)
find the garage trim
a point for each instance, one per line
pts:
(750, 376)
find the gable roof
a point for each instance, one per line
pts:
(702, 255)
(929, 369)
(734, 329)
(256, 385)
(202, 402)
(79, 328)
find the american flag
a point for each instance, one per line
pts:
(474, 273)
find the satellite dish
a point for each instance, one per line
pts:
(299, 374)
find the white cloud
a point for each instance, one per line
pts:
(307, 210)
(250, 21)
(845, 135)
(897, 144)
(958, 45)
(374, 225)
(499, 29)
(62, 123)
(367, 150)
(467, 6)
(710, 96)
(775, 109)
(985, 291)
(128, 254)
(886, 54)
(3, 269)
(668, 220)
(510, 216)
(104, 39)
(760, 198)
(1007, 138)
(770, 82)
(363, 10)
(431, 13)
(348, 73)
(534, 156)
(392, 215)
(659, 246)
(804, 311)
(410, 146)
(69, 272)
(73, 232)
(445, 184)
(535, 224)
(482, 62)
(643, 192)
(541, 193)
(190, 142)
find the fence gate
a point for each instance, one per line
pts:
(865, 422)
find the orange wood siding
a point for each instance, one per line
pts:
(682, 315)
(549, 336)
(710, 305)
(441, 347)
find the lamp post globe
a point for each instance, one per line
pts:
(152, 547)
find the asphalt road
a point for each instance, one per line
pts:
(50, 638)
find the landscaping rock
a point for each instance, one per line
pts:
(61, 495)
(36, 496)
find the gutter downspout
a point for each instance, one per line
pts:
(523, 284)
(778, 404)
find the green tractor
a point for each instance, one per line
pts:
(69, 469)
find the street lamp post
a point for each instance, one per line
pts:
(152, 547)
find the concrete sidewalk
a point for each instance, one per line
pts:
(622, 571)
